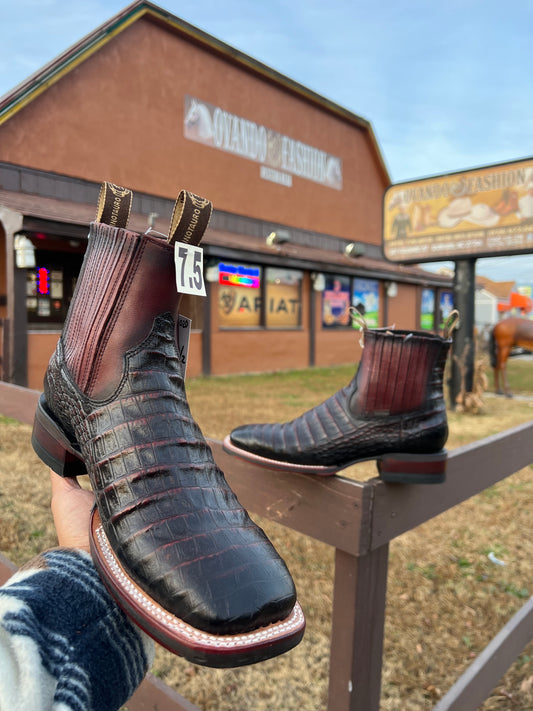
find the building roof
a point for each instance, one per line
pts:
(500, 289)
(68, 60)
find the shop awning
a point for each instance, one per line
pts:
(69, 219)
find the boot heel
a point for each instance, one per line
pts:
(52, 445)
(413, 468)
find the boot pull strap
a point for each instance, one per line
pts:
(190, 218)
(114, 205)
(359, 319)
(451, 323)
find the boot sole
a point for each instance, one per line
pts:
(199, 647)
(396, 467)
(61, 454)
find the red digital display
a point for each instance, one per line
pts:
(43, 286)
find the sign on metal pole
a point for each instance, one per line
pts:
(485, 212)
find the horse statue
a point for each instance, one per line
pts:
(504, 336)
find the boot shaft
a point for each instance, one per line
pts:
(126, 280)
(400, 372)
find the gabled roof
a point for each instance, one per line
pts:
(50, 73)
(500, 289)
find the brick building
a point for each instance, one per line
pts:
(149, 102)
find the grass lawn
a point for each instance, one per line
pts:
(446, 598)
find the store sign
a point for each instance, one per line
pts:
(479, 213)
(231, 275)
(242, 308)
(245, 302)
(280, 156)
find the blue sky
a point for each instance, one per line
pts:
(446, 86)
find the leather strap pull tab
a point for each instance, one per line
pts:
(451, 323)
(359, 320)
(114, 205)
(190, 218)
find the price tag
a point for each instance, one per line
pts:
(189, 261)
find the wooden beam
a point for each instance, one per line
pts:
(476, 684)
(7, 568)
(331, 509)
(400, 507)
(359, 603)
(155, 695)
(18, 402)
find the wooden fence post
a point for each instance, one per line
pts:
(357, 630)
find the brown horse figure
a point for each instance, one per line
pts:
(504, 336)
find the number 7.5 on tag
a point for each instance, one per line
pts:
(189, 261)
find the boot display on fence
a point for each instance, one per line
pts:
(393, 410)
(168, 535)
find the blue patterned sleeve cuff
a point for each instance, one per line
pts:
(64, 643)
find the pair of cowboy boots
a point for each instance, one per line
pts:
(169, 537)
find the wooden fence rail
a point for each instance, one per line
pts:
(359, 519)
(3, 348)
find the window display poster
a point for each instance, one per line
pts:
(445, 307)
(242, 290)
(427, 315)
(283, 298)
(336, 302)
(365, 298)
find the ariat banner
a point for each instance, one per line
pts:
(479, 213)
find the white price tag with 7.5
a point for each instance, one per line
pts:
(189, 261)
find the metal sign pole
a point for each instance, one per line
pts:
(463, 349)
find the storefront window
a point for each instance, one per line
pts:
(445, 307)
(427, 315)
(336, 302)
(250, 296)
(365, 298)
(44, 294)
(49, 287)
(283, 298)
(239, 295)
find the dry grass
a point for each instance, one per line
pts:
(446, 599)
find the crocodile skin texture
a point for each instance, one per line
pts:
(394, 404)
(166, 507)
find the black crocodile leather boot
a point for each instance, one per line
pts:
(168, 535)
(393, 411)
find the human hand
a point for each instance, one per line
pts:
(71, 508)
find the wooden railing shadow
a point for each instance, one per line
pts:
(359, 519)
